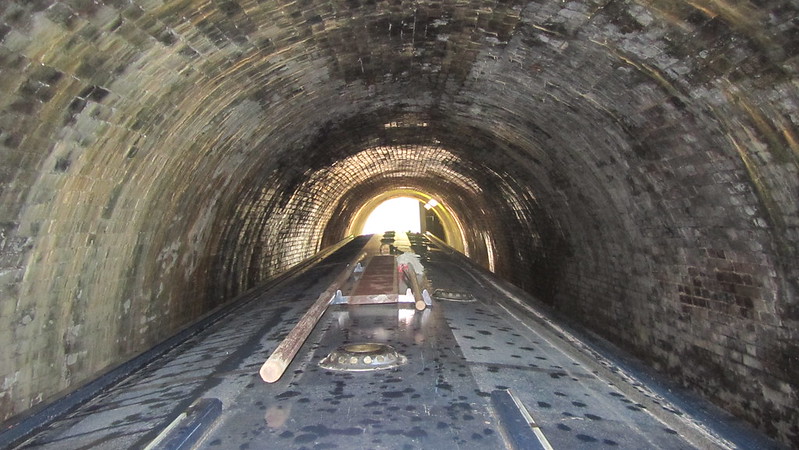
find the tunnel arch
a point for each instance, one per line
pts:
(633, 163)
(453, 226)
(340, 189)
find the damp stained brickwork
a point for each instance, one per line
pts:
(634, 164)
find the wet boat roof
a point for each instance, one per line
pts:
(478, 340)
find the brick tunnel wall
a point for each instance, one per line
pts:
(634, 165)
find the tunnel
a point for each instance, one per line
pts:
(633, 164)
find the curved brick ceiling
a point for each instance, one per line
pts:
(633, 164)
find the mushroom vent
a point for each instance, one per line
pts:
(453, 296)
(363, 357)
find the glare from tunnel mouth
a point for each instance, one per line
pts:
(396, 214)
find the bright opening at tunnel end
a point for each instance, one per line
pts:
(397, 214)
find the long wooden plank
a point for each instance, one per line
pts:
(280, 359)
(419, 302)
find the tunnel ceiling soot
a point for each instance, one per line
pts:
(633, 164)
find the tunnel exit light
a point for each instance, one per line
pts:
(397, 214)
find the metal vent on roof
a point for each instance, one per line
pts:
(453, 296)
(363, 357)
